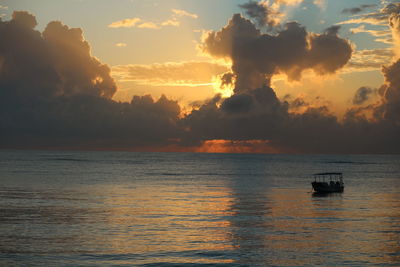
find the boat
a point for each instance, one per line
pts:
(328, 182)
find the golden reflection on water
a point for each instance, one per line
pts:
(217, 222)
(278, 226)
(348, 228)
(156, 219)
(111, 208)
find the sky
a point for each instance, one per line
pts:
(283, 76)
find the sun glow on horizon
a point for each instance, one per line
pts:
(237, 146)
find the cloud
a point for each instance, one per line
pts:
(289, 2)
(262, 13)
(120, 44)
(362, 95)
(391, 92)
(139, 23)
(24, 18)
(171, 22)
(55, 94)
(384, 36)
(125, 23)
(173, 73)
(55, 62)
(254, 112)
(270, 14)
(76, 68)
(256, 57)
(143, 24)
(183, 13)
(394, 23)
(369, 59)
(379, 17)
(359, 9)
(149, 25)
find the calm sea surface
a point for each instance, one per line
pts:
(168, 209)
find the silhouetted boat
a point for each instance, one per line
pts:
(328, 182)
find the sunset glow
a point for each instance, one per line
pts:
(226, 76)
(231, 146)
(199, 133)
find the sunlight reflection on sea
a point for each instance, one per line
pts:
(106, 208)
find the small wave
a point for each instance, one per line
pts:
(69, 159)
(170, 264)
(172, 174)
(349, 162)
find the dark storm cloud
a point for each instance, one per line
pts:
(53, 93)
(328, 52)
(362, 95)
(356, 10)
(391, 89)
(258, 100)
(238, 103)
(85, 121)
(314, 131)
(255, 113)
(57, 62)
(24, 18)
(391, 95)
(257, 56)
(78, 70)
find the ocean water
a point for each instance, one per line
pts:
(185, 209)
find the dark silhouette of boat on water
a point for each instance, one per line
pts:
(328, 182)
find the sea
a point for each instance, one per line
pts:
(73, 208)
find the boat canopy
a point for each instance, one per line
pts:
(332, 176)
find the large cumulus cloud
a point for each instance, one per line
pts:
(389, 109)
(255, 113)
(54, 93)
(256, 56)
(56, 62)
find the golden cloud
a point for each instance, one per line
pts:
(142, 24)
(125, 23)
(369, 59)
(120, 44)
(183, 13)
(149, 25)
(171, 73)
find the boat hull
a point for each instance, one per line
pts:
(323, 187)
